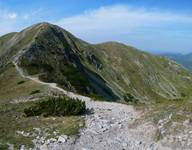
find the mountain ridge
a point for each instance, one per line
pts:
(112, 70)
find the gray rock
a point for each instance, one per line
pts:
(124, 144)
(22, 147)
(62, 139)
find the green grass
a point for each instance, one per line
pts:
(181, 111)
(129, 70)
(13, 86)
(12, 119)
(178, 108)
(4, 39)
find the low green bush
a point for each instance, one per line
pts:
(3, 147)
(130, 98)
(35, 92)
(97, 97)
(56, 106)
(21, 82)
(183, 94)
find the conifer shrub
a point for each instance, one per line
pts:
(21, 82)
(35, 92)
(56, 106)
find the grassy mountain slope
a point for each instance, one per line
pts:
(4, 41)
(13, 86)
(184, 59)
(111, 70)
(142, 74)
(51, 52)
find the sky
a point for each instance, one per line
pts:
(157, 26)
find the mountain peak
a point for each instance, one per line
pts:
(42, 24)
(110, 69)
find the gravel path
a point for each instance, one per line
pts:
(110, 126)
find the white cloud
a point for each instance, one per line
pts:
(7, 15)
(126, 24)
(8, 19)
(120, 17)
(32, 14)
(12, 15)
(14, 21)
(146, 29)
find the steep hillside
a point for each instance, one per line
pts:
(184, 59)
(111, 70)
(142, 74)
(4, 41)
(51, 53)
(13, 87)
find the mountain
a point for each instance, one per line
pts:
(183, 59)
(109, 70)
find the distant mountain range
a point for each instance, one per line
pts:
(183, 59)
(111, 70)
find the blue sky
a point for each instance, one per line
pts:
(152, 25)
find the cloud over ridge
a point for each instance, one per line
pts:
(121, 22)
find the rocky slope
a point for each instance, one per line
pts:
(110, 70)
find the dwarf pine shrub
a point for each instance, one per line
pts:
(56, 106)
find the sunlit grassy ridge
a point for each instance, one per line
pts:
(129, 70)
(13, 86)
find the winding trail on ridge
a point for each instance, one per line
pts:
(51, 85)
(107, 128)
